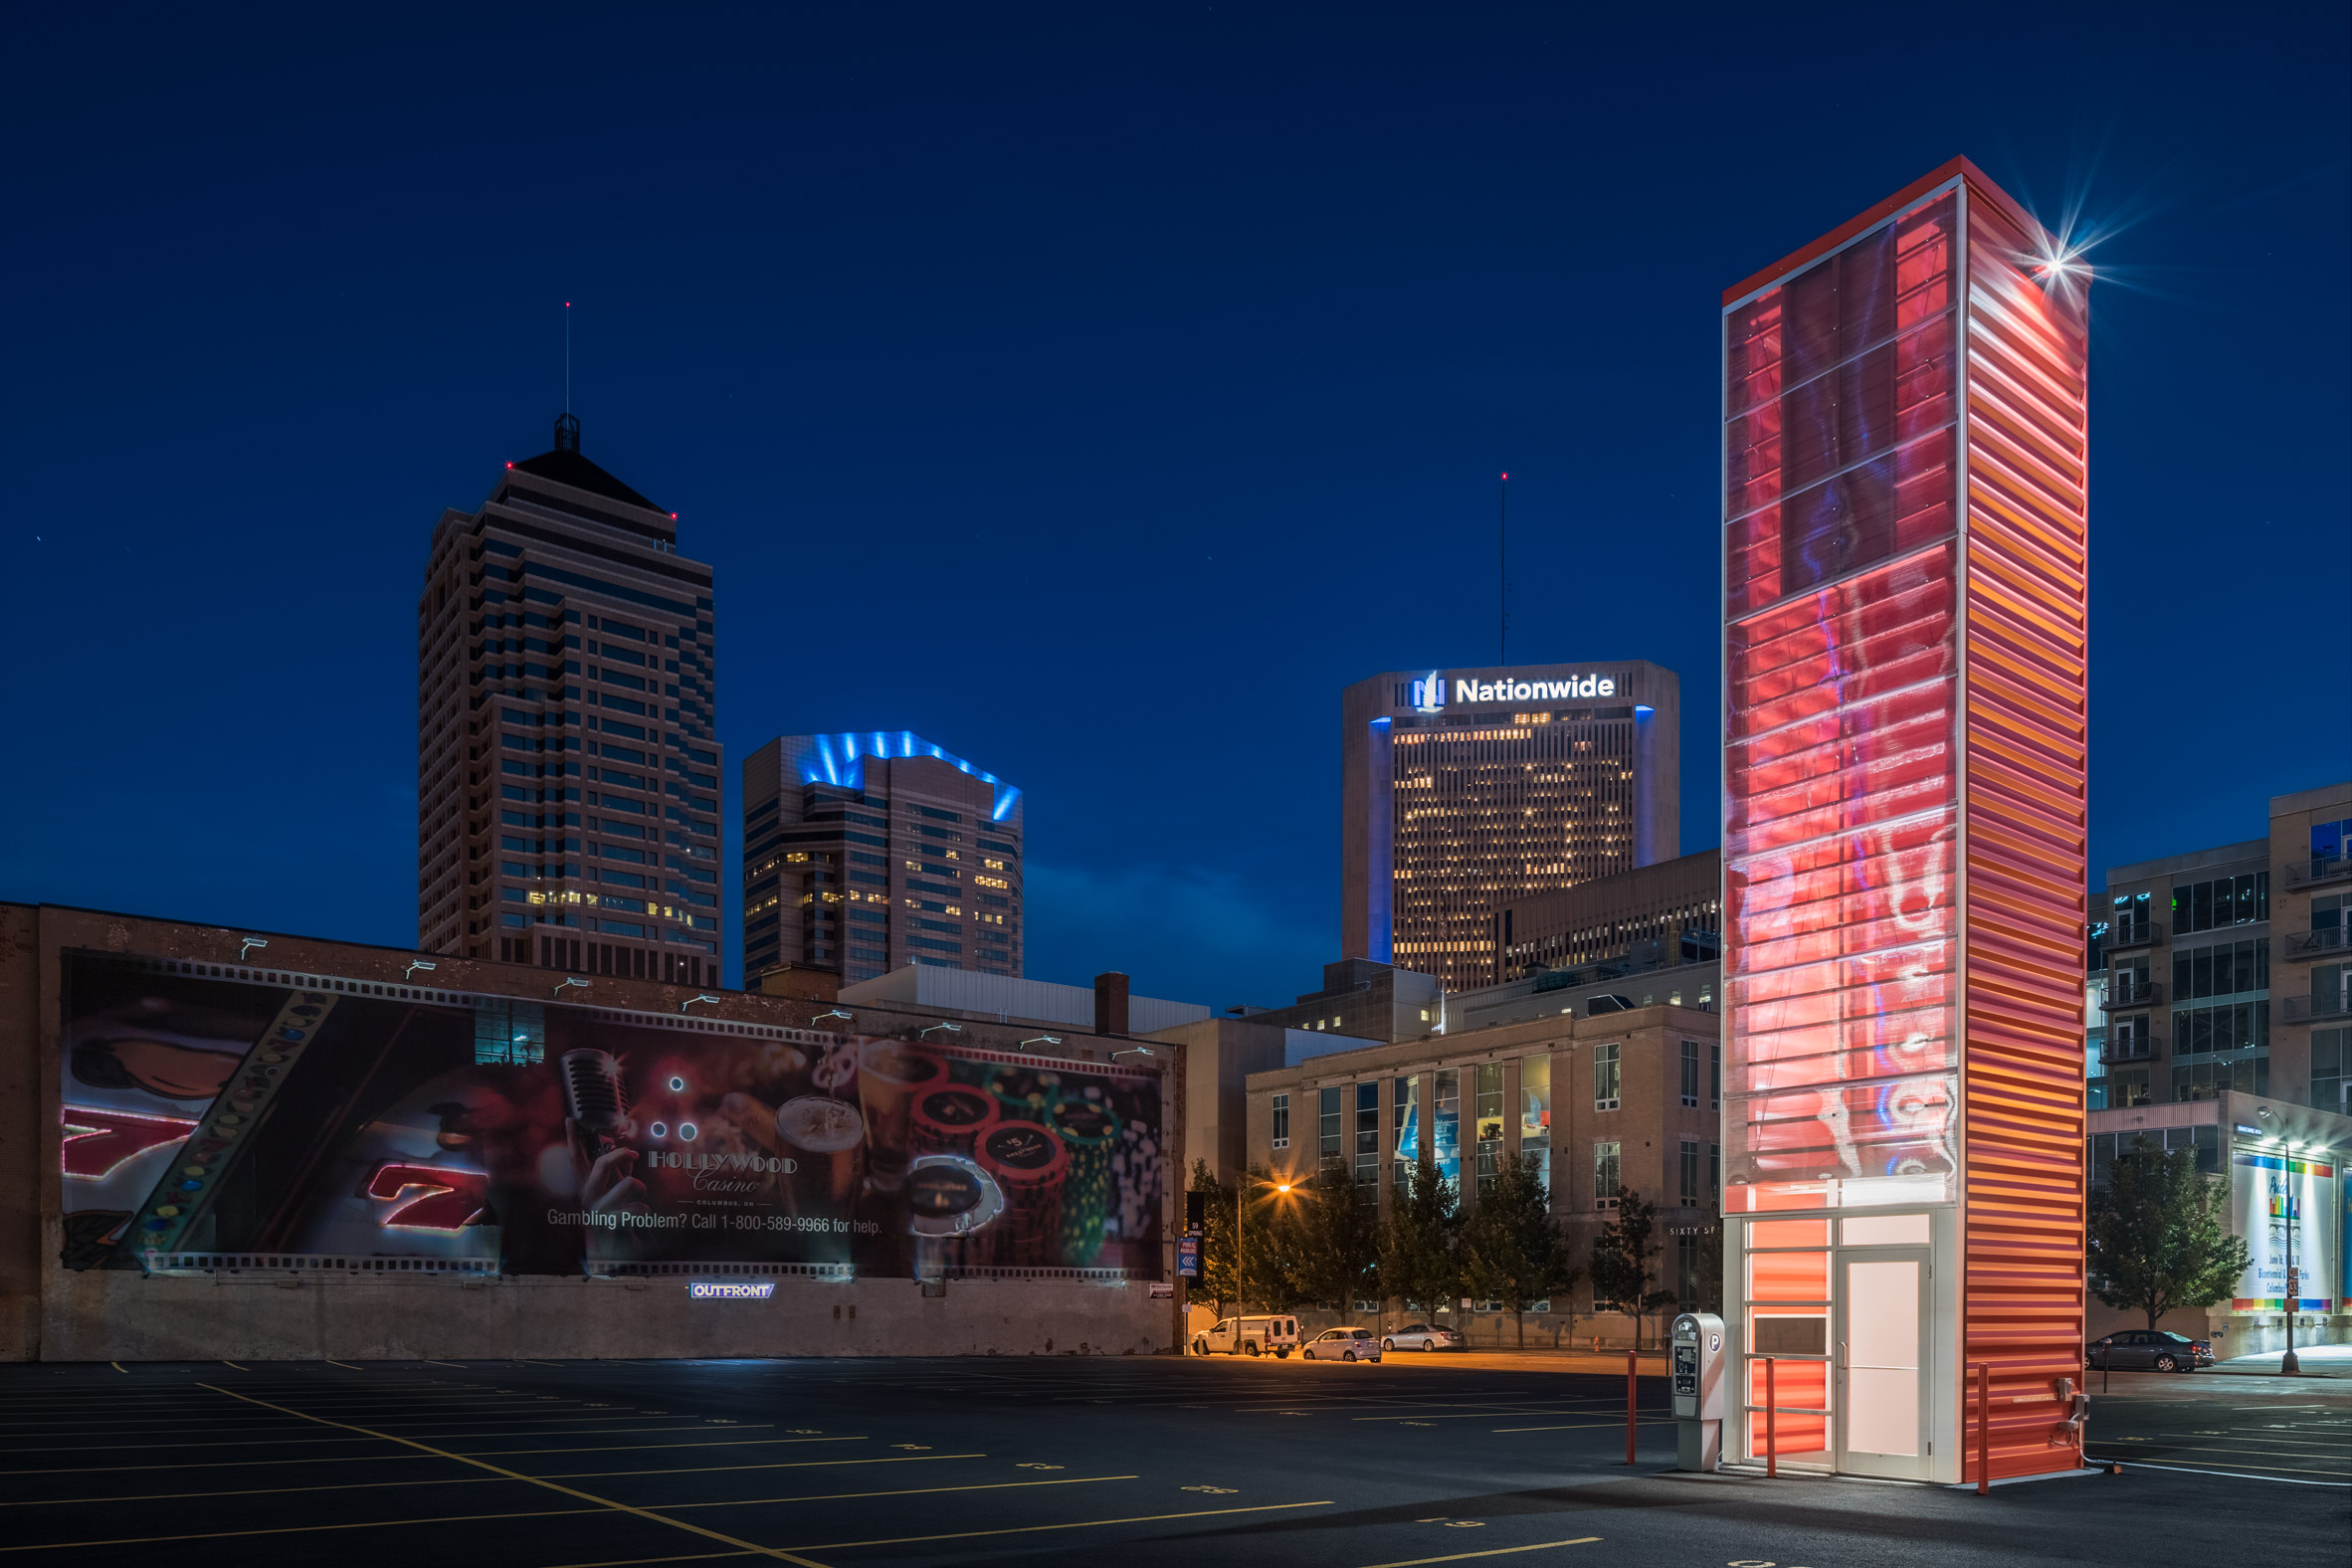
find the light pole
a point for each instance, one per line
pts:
(1241, 1199)
(2288, 1364)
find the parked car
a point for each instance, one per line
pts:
(2148, 1350)
(1249, 1336)
(1421, 1336)
(1342, 1344)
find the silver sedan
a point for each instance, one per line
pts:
(1422, 1336)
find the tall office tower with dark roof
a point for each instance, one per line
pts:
(869, 852)
(567, 754)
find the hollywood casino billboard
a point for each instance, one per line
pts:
(202, 1117)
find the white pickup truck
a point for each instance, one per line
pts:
(1249, 1336)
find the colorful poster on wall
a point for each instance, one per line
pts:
(2280, 1200)
(203, 1116)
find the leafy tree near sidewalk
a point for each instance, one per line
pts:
(1216, 1282)
(1510, 1251)
(1625, 1258)
(1338, 1233)
(2160, 1235)
(1420, 1246)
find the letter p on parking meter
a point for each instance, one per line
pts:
(1697, 1380)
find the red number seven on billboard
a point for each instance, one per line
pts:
(96, 1143)
(453, 1198)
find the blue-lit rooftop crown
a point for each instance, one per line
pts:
(841, 759)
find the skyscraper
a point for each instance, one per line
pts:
(1463, 791)
(567, 761)
(1905, 562)
(866, 853)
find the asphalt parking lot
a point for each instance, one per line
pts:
(1418, 1461)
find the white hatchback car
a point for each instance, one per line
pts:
(1343, 1344)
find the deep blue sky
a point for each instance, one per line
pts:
(1096, 392)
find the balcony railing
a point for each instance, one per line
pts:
(2121, 937)
(2141, 1048)
(2316, 1008)
(2125, 992)
(2315, 945)
(2316, 871)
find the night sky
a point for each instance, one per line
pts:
(1095, 392)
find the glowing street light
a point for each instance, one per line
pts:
(1240, 1201)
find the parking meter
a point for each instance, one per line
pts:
(1698, 1379)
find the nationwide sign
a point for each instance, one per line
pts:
(1429, 693)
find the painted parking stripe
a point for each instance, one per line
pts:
(1036, 1529)
(2185, 1469)
(1499, 1551)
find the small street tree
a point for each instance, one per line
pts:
(1339, 1236)
(1272, 1240)
(1420, 1246)
(2160, 1235)
(1512, 1251)
(1625, 1258)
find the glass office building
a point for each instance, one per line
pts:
(1904, 624)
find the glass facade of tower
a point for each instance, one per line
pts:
(1906, 559)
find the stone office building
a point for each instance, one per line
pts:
(1600, 1097)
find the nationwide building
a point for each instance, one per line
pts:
(866, 853)
(567, 756)
(1905, 635)
(1463, 791)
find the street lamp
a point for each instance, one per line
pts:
(1241, 1199)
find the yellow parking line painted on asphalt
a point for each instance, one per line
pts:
(1036, 1529)
(714, 1469)
(1499, 1551)
(604, 1502)
(304, 1529)
(625, 1447)
(234, 1364)
(2189, 1469)
(1593, 1426)
(117, 1366)
(910, 1491)
(107, 1469)
(252, 1492)
(346, 1365)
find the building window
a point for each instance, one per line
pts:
(2221, 969)
(2129, 922)
(2126, 1090)
(1536, 1115)
(1488, 1110)
(1281, 1121)
(2331, 1053)
(1689, 1173)
(2234, 1026)
(2223, 902)
(1691, 1070)
(2193, 1081)
(2132, 1039)
(1715, 1075)
(1327, 1124)
(1608, 1077)
(1606, 1167)
(1686, 1268)
(1368, 1140)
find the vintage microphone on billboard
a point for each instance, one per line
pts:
(594, 1100)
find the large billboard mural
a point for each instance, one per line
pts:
(203, 1116)
(2286, 1207)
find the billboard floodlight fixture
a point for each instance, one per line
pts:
(836, 1013)
(691, 1000)
(1133, 1051)
(246, 945)
(953, 1028)
(416, 964)
(569, 980)
(1042, 1040)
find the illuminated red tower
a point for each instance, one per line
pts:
(1904, 562)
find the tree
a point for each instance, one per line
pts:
(1420, 1246)
(1511, 1250)
(2160, 1235)
(1625, 1258)
(1338, 1252)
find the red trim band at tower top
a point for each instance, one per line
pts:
(1905, 560)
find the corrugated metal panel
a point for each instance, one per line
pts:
(2025, 804)
(1007, 997)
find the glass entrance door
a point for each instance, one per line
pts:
(1881, 1403)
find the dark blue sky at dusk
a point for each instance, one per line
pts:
(1095, 392)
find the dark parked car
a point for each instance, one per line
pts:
(2148, 1350)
